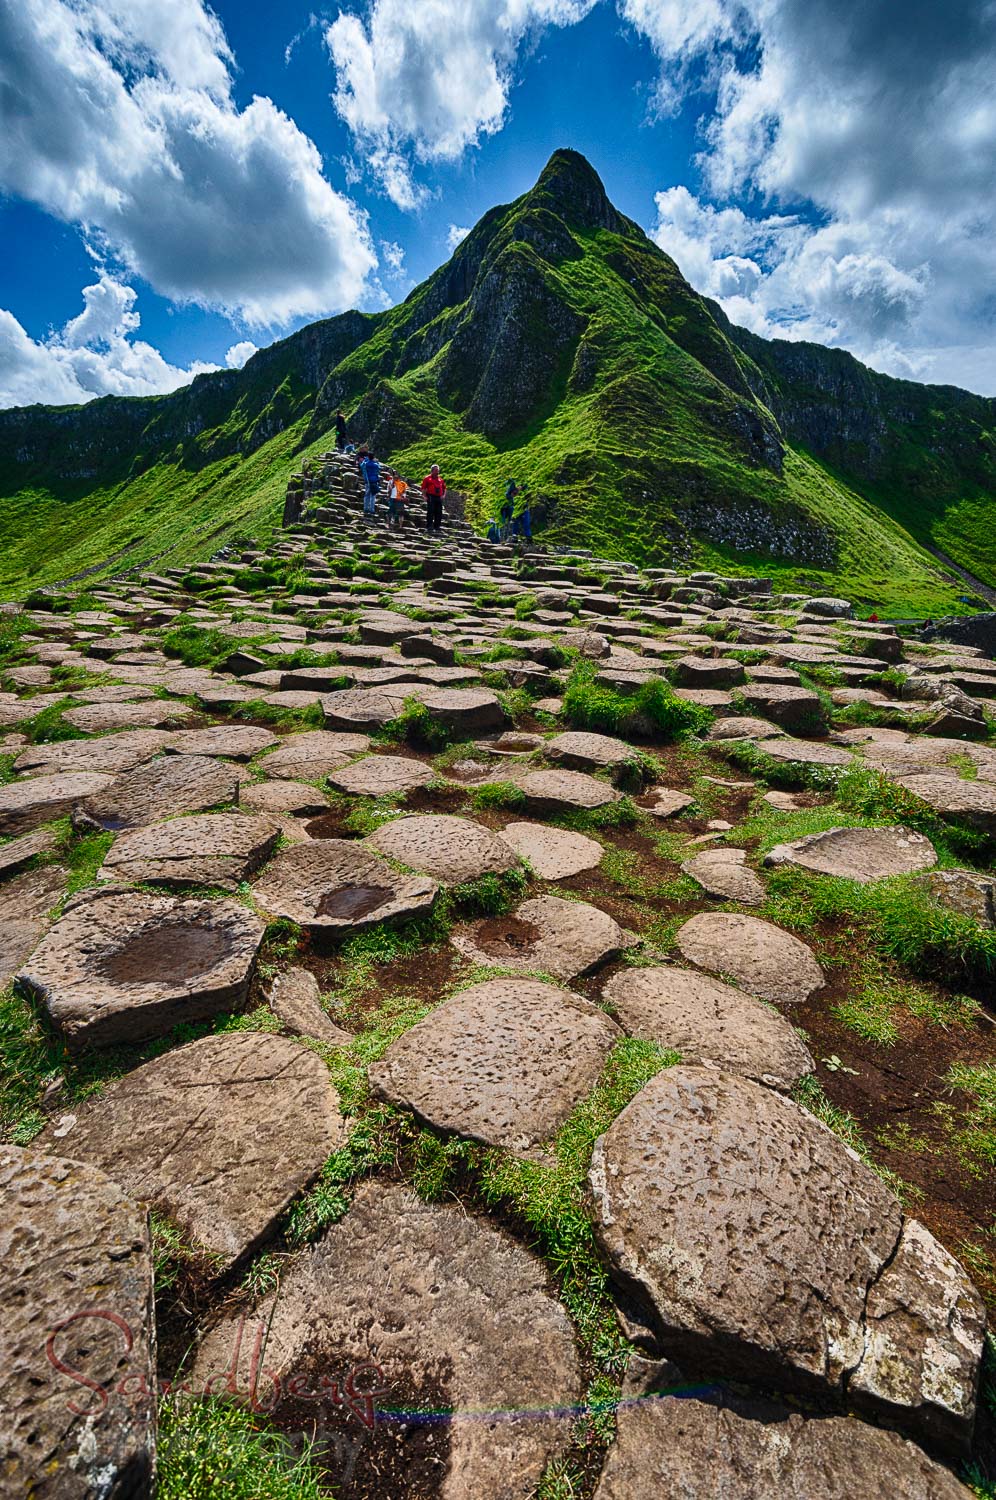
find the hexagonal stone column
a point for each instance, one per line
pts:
(77, 1292)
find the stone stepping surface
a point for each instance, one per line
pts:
(232, 741)
(295, 1000)
(113, 754)
(160, 789)
(361, 708)
(704, 1444)
(806, 752)
(70, 1241)
(16, 854)
(124, 966)
(564, 791)
(25, 902)
(205, 849)
(40, 799)
(381, 776)
(765, 960)
(663, 802)
(334, 887)
(707, 1021)
(724, 873)
(972, 802)
(553, 853)
(862, 854)
(964, 891)
(451, 1310)
(544, 935)
(503, 1062)
(759, 1247)
(449, 849)
(312, 755)
(221, 1135)
(98, 718)
(290, 798)
(738, 728)
(587, 752)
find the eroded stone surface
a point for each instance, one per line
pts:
(546, 935)
(381, 776)
(98, 718)
(964, 891)
(553, 791)
(451, 850)
(587, 752)
(160, 789)
(121, 966)
(703, 1444)
(552, 853)
(972, 802)
(15, 855)
(764, 959)
(334, 886)
(538, 1049)
(207, 849)
(444, 1305)
(40, 799)
(221, 1135)
(295, 999)
(861, 854)
(231, 741)
(113, 754)
(284, 798)
(751, 1235)
(70, 1240)
(725, 873)
(312, 755)
(707, 1021)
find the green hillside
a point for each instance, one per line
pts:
(559, 346)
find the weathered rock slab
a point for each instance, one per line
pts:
(972, 802)
(221, 1135)
(560, 791)
(449, 849)
(587, 752)
(312, 755)
(453, 1313)
(544, 935)
(334, 887)
(753, 1242)
(230, 741)
(725, 873)
(77, 1290)
(123, 966)
(764, 959)
(40, 799)
(157, 790)
(862, 854)
(295, 1000)
(381, 776)
(553, 853)
(714, 1443)
(707, 1021)
(504, 1062)
(206, 849)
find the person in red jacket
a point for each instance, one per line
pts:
(433, 489)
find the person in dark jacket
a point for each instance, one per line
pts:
(508, 508)
(370, 470)
(434, 490)
(340, 431)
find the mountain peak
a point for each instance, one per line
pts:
(571, 188)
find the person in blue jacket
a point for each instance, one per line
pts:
(370, 469)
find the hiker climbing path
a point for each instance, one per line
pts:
(547, 999)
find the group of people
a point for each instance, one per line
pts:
(432, 489)
(516, 519)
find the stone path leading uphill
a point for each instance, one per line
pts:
(551, 989)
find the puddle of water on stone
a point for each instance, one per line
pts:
(353, 901)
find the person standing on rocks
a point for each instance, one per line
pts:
(508, 509)
(396, 502)
(434, 490)
(370, 470)
(340, 431)
(523, 525)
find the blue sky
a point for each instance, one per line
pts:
(183, 184)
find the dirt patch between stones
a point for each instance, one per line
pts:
(403, 1452)
(506, 937)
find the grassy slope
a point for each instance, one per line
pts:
(635, 430)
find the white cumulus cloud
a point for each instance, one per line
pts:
(94, 354)
(880, 118)
(236, 356)
(455, 235)
(423, 82)
(117, 115)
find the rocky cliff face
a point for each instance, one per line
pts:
(559, 342)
